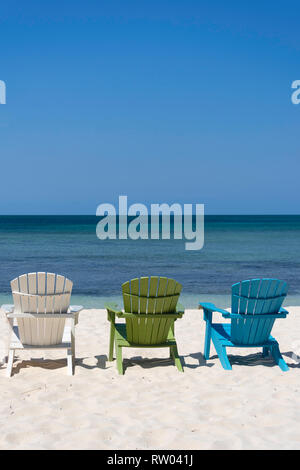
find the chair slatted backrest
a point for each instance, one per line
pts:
(44, 293)
(255, 298)
(153, 296)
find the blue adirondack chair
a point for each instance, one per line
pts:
(255, 305)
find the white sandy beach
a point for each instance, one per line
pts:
(153, 406)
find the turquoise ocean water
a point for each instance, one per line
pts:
(235, 248)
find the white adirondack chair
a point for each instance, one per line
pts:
(38, 317)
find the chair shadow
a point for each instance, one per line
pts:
(202, 362)
(255, 359)
(101, 362)
(251, 360)
(146, 363)
(54, 364)
(294, 357)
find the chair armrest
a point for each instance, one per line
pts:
(150, 315)
(256, 316)
(283, 310)
(73, 312)
(75, 309)
(39, 315)
(282, 313)
(212, 308)
(179, 308)
(7, 308)
(113, 310)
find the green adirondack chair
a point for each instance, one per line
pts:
(150, 310)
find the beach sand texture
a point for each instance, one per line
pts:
(153, 406)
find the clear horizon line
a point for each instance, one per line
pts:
(94, 215)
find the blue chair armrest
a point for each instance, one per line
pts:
(283, 310)
(212, 308)
(256, 316)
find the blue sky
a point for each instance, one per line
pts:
(164, 101)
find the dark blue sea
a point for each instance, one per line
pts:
(235, 248)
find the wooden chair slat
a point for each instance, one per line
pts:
(134, 289)
(126, 296)
(244, 290)
(144, 282)
(32, 308)
(25, 329)
(152, 293)
(253, 295)
(234, 299)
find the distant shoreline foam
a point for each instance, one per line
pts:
(189, 301)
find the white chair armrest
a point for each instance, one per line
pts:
(75, 309)
(7, 308)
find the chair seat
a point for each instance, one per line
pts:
(222, 332)
(121, 338)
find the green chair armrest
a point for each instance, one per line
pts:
(150, 315)
(179, 308)
(113, 310)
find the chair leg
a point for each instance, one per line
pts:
(111, 343)
(70, 361)
(265, 351)
(10, 362)
(208, 319)
(73, 349)
(119, 360)
(221, 351)
(275, 351)
(176, 358)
